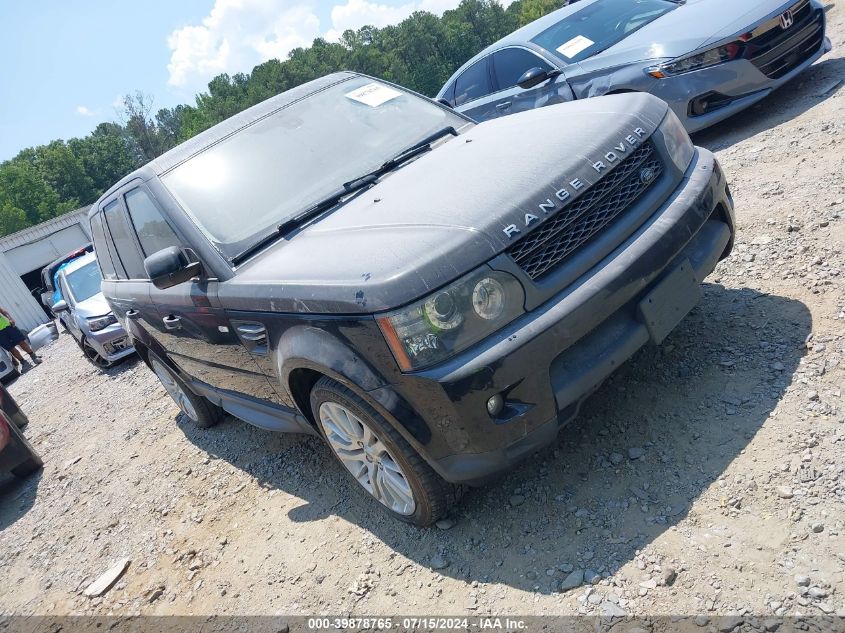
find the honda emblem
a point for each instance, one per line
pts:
(787, 19)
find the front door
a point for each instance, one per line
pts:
(185, 319)
(508, 65)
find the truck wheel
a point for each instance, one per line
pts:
(378, 457)
(196, 408)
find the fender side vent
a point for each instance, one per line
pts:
(253, 335)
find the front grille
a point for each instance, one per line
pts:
(573, 226)
(777, 51)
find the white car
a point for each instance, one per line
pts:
(7, 366)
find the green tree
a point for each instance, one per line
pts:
(420, 52)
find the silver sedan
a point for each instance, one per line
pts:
(84, 312)
(708, 59)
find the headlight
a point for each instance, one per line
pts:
(706, 59)
(677, 141)
(100, 323)
(452, 319)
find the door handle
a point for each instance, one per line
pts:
(172, 322)
(132, 314)
(503, 106)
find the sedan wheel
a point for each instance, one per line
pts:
(94, 356)
(367, 458)
(174, 390)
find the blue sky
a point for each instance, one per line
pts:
(66, 64)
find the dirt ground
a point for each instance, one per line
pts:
(706, 477)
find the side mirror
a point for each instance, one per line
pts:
(60, 306)
(170, 267)
(535, 76)
(445, 102)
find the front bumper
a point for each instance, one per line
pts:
(547, 362)
(737, 85)
(112, 342)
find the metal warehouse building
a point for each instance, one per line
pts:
(25, 253)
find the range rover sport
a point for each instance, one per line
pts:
(432, 297)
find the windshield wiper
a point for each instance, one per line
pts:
(348, 188)
(414, 150)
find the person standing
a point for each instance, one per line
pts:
(11, 338)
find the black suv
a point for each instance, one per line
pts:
(434, 298)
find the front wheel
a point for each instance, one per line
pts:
(196, 408)
(377, 457)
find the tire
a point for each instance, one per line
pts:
(196, 408)
(28, 467)
(398, 470)
(32, 463)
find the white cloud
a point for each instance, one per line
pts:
(84, 111)
(357, 13)
(238, 34)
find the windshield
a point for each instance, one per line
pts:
(84, 282)
(242, 188)
(599, 26)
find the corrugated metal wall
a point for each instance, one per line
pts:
(15, 298)
(14, 295)
(45, 229)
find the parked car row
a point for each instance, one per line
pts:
(433, 297)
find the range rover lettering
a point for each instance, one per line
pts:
(432, 297)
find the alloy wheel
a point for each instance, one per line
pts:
(94, 356)
(367, 458)
(174, 390)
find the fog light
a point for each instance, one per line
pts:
(495, 405)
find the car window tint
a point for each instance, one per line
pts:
(473, 83)
(154, 233)
(124, 243)
(511, 63)
(449, 93)
(98, 235)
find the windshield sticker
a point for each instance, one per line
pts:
(574, 46)
(373, 94)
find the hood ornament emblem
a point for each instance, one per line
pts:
(647, 174)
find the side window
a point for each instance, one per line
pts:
(104, 258)
(473, 83)
(154, 233)
(509, 65)
(63, 289)
(124, 243)
(449, 93)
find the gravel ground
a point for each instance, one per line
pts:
(704, 478)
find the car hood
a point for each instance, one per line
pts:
(442, 215)
(694, 25)
(93, 306)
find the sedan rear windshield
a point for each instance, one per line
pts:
(84, 282)
(599, 26)
(241, 189)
